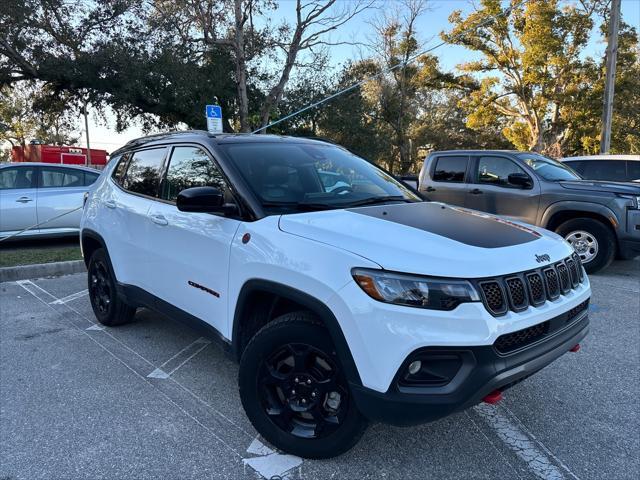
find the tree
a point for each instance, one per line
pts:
(531, 68)
(27, 114)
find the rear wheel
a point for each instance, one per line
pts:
(294, 390)
(594, 243)
(107, 306)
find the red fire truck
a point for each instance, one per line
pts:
(59, 154)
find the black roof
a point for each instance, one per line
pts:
(221, 138)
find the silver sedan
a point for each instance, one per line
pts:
(37, 193)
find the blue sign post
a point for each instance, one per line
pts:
(214, 118)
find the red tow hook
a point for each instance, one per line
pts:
(575, 348)
(493, 398)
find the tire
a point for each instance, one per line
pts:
(108, 307)
(592, 240)
(295, 352)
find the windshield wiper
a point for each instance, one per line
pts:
(377, 200)
(302, 206)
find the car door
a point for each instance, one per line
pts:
(18, 199)
(444, 180)
(190, 251)
(128, 232)
(490, 191)
(60, 196)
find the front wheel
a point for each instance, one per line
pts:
(593, 241)
(294, 391)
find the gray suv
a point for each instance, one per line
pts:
(599, 219)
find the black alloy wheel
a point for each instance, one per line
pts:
(301, 391)
(100, 289)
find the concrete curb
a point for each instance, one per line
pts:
(23, 272)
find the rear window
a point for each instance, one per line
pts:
(144, 171)
(633, 170)
(60, 177)
(450, 169)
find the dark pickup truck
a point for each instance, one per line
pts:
(599, 219)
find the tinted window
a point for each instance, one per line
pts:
(12, 178)
(60, 177)
(633, 170)
(496, 170)
(613, 170)
(576, 166)
(301, 176)
(143, 172)
(190, 167)
(89, 178)
(120, 170)
(450, 169)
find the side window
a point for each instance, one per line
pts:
(144, 171)
(119, 171)
(633, 170)
(450, 169)
(60, 177)
(612, 170)
(90, 178)
(14, 178)
(190, 167)
(496, 170)
(578, 166)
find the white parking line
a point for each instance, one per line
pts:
(169, 367)
(523, 443)
(69, 298)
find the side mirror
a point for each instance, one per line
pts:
(521, 180)
(201, 199)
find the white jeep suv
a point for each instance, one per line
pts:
(343, 305)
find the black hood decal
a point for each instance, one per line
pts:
(459, 224)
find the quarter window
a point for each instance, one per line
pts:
(450, 169)
(496, 170)
(144, 171)
(633, 169)
(60, 177)
(190, 167)
(90, 178)
(14, 178)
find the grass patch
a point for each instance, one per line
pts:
(30, 256)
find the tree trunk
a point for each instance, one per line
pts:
(241, 67)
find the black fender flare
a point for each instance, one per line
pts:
(313, 304)
(587, 207)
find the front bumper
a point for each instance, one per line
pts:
(483, 371)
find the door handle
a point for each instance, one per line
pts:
(475, 191)
(430, 189)
(159, 219)
(110, 204)
(24, 200)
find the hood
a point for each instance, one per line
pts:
(602, 186)
(431, 239)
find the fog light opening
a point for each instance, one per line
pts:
(415, 366)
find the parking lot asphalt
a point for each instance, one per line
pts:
(153, 399)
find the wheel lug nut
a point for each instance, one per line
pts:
(293, 392)
(296, 380)
(304, 401)
(313, 394)
(308, 381)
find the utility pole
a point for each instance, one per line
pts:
(86, 129)
(609, 86)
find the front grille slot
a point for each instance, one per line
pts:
(573, 270)
(563, 274)
(494, 298)
(536, 289)
(571, 314)
(513, 341)
(578, 264)
(553, 286)
(517, 294)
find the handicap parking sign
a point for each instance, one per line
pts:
(214, 118)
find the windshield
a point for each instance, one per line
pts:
(548, 168)
(288, 177)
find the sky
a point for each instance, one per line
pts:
(359, 29)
